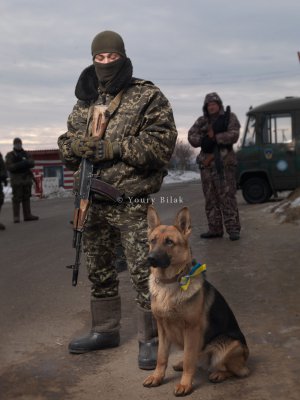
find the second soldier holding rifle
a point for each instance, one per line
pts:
(215, 132)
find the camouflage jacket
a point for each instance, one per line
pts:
(199, 130)
(144, 126)
(19, 164)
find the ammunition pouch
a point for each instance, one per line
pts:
(103, 189)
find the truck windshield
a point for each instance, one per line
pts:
(250, 133)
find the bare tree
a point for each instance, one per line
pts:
(182, 156)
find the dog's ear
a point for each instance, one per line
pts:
(153, 218)
(183, 221)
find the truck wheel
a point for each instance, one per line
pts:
(256, 190)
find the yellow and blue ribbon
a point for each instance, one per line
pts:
(196, 270)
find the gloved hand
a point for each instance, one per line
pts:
(109, 150)
(85, 147)
(96, 150)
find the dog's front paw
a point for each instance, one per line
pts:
(182, 390)
(152, 380)
(219, 376)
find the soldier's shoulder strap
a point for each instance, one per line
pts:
(114, 104)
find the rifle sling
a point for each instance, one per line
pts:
(104, 189)
(114, 104)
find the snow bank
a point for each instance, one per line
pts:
(288, 210)
(181, 176)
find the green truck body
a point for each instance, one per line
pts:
(269, 155)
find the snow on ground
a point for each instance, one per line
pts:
(181, 176)
(61, 192)
(288, 210)
(172, 177)
(7, 193)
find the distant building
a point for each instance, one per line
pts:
(49, 165)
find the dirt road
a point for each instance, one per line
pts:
(41, 311)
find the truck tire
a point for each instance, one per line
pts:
(256, 190)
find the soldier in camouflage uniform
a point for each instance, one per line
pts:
(216, 132)
(19, 164)
(3, 179)
(132, 156)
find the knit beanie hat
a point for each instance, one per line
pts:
(108, 42)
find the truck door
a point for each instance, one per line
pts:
(278, 146)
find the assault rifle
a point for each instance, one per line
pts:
(216, 155)
(89, 184)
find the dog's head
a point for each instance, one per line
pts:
(168, 244)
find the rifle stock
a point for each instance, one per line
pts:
(100, 120)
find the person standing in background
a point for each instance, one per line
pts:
(215, 132)
(19, 165)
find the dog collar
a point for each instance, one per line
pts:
(184, 280)
(196, 270)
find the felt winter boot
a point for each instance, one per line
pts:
(106, 316)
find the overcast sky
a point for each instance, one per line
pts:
(244, 50)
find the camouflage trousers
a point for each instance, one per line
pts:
(220, 199)
(106, 225)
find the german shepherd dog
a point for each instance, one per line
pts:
(196, 319)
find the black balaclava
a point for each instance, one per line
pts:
(17, 144)
(112, 77)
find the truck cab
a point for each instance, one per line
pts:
(269, 155)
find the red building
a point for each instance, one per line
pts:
(49, 165)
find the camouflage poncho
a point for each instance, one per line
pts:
(143, 125)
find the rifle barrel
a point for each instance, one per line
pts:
(74, 277)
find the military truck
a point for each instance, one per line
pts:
(269, 155)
